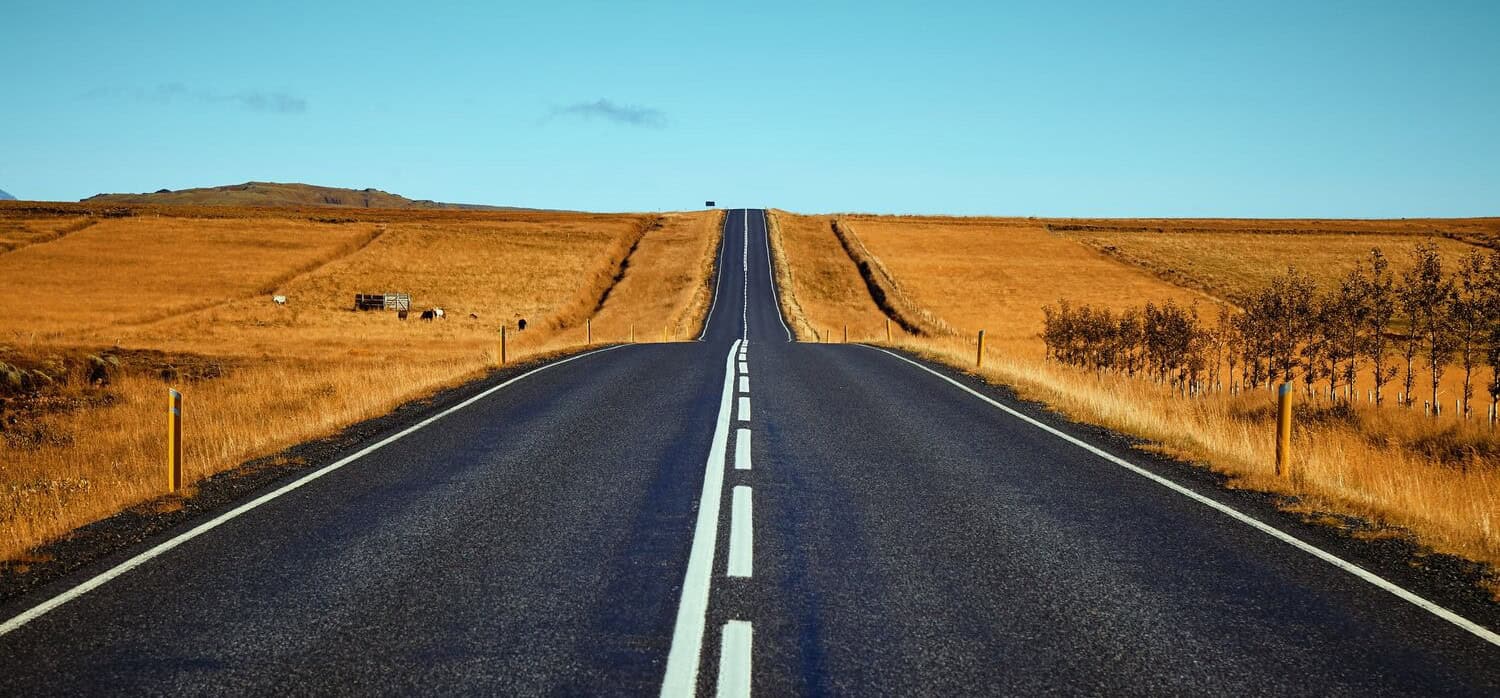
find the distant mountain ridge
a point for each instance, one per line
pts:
(275, 194)
(6, 197)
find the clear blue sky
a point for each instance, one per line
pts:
(1277, 109)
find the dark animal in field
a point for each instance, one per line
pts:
(428, 315)
(400, 314)
(521, 324)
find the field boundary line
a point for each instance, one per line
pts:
(1476, 629)
(162, 548)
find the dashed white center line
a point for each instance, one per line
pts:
(734, 660)
(744, 408)
(741, 534)
(681, 677)
(742, 449)
(744, 367)
(745, 384)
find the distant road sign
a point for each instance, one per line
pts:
(709, 204)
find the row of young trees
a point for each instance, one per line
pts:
(1373, 321)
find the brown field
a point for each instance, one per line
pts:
(1230, 258)
(1436, 479)
(155, 296)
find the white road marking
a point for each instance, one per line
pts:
(1353, 569)
(745, 384)
(745, 276)
(104, 577)
(772, 274)
(744, 409)
(734, 660)
(687, 635)
(741, 534)
(744, 368)
(742, 449)
(718, 277)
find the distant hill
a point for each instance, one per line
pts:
(274, 194)
(6, 197)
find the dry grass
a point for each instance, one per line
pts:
(1394, 468)
(1230, 259)
(185, 294)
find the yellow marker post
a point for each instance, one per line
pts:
(979, 354)
(887, 330)
(1284, 431)
(588, 332)
(632, 333)
(663, 334)
(502, 345)
(174, 442)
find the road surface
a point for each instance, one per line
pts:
(738, 514)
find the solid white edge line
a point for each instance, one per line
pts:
(734, 660)
(744, 276)
(1478, 630)
(744, 412)
(681, 676)
(104, 577)
(741, 534)
(718, 276)
(771, 272)
(745, 384)
(742, 449)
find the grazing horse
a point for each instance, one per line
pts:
(428, 315)
(278, 300)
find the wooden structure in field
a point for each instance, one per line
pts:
(382, 301)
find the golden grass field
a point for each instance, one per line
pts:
(1438, 480)
(181, 296)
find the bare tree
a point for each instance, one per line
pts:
(1426, 295)
(1469, 318)
(1287, 304)
(1380, 310)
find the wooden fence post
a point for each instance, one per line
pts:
(174, 441)
(846, 334)
(887, 330)
(502, 345)
(979, 355)
(1284, 431)
(588, 331)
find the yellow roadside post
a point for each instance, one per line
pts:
(1284, 431)
(588, 332)
(887, 330)
(632, 333)
(664, 334)
(174, 442)
(979, 355)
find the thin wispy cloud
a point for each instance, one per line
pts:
(624, 114)
(178, 93)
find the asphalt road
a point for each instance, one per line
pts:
(736, 514)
